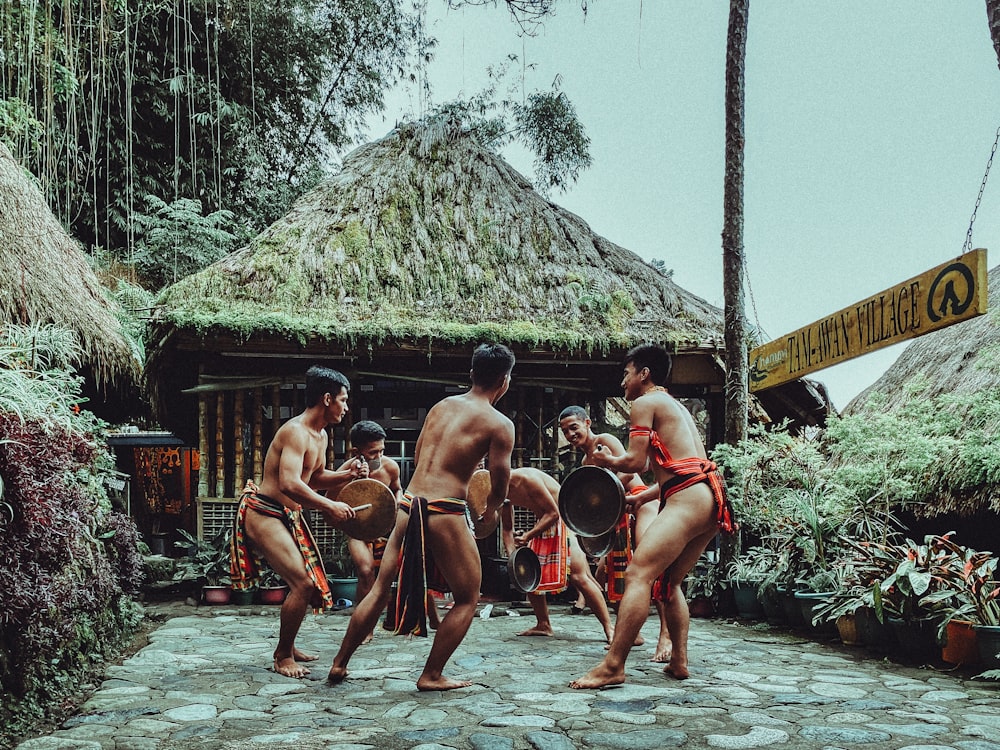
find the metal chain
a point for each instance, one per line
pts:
(968, 235)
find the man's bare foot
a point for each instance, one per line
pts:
(598, 677)
(639, 640)
(300, 656)
(663, 650)
(537, 630)
(441, 683)
(290, 668)
(368, 638)
(676, 671)
(337, 675)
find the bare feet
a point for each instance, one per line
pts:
(368, 638)
(337, 674)
(289, 667)
(538, 630)
(663, 649)
(639, 640)
(677, 671)
(300, 656)
(598, 677)
(441, 683)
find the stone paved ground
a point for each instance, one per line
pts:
(203, 682)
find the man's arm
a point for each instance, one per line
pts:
(543, 522)
(501, 447)
(291, 484)
(634, 459)
(334, 481)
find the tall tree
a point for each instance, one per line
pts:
(993, 19)
(733, 263)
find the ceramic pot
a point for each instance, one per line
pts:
(216, 594)
(988, 642)
(701, 606)
(808, 601)
(748, 605)
(344, 588)
(917, 639)
(847, 629)
(273, 594)
(243, 597)
(793, 613)
(961, 645)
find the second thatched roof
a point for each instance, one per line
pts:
(426, 236)
(46, 279)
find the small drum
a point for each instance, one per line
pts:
(524, 569)
(479, 491)
(591, 501)
(597, 546)
(376, 514)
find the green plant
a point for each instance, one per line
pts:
(706, 579)
(341, 564)
(207, 561)
(753, 565)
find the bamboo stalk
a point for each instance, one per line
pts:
(258, 433)
(203, 445)
(220, 457)
(239, 473)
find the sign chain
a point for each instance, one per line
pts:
(968, 235)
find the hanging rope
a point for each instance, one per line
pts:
(968, 235)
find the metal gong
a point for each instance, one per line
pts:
(479, 491)
(597, 546)
(375, 507)
(591, 500)
(524, 569)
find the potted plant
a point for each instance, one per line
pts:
(747, 572)
(272, 589)
(702, 586)
(343, 576)
(206, 564)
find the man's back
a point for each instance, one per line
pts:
(458, 432)
(533, 489)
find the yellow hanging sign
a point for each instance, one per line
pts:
(947, 294)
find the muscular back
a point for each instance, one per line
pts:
(675, 426)
(458, 432)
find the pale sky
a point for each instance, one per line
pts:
(868, 128)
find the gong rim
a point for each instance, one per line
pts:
(591, 501)
(524, 569)
(597, 546)
(374, 522)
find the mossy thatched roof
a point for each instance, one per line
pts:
(423, 236)
(47, 280)
(960, 366)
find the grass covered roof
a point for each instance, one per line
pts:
(47, 279)
(425, 235)
(953, 374)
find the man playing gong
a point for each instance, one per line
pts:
(555, 545)
(693, 509)
(576, 428)
(368, 445)
(269, 521)
(433, 518)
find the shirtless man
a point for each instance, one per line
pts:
(368, 445)
(457, 433)
(576, 428)
(693, 510)
(538, 492)
(269, 520)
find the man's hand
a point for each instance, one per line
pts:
(600, 456)
(359, 469)
(520, 541)
(338, 512)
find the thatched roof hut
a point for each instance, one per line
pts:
(425, 237)
(423, 245)
(47, 280)
(959, 361)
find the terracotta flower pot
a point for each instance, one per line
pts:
(961, 644)
(847, 629)
(216, 594)
(273, 594)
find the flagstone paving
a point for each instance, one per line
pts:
(203, 682)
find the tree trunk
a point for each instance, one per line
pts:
(993, 18)
(732, 226)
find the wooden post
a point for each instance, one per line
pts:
(203, 444)
(519, 428)
(539, 431)
(258, 434)
(239, 473)
(275, 409)
(220, 456)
